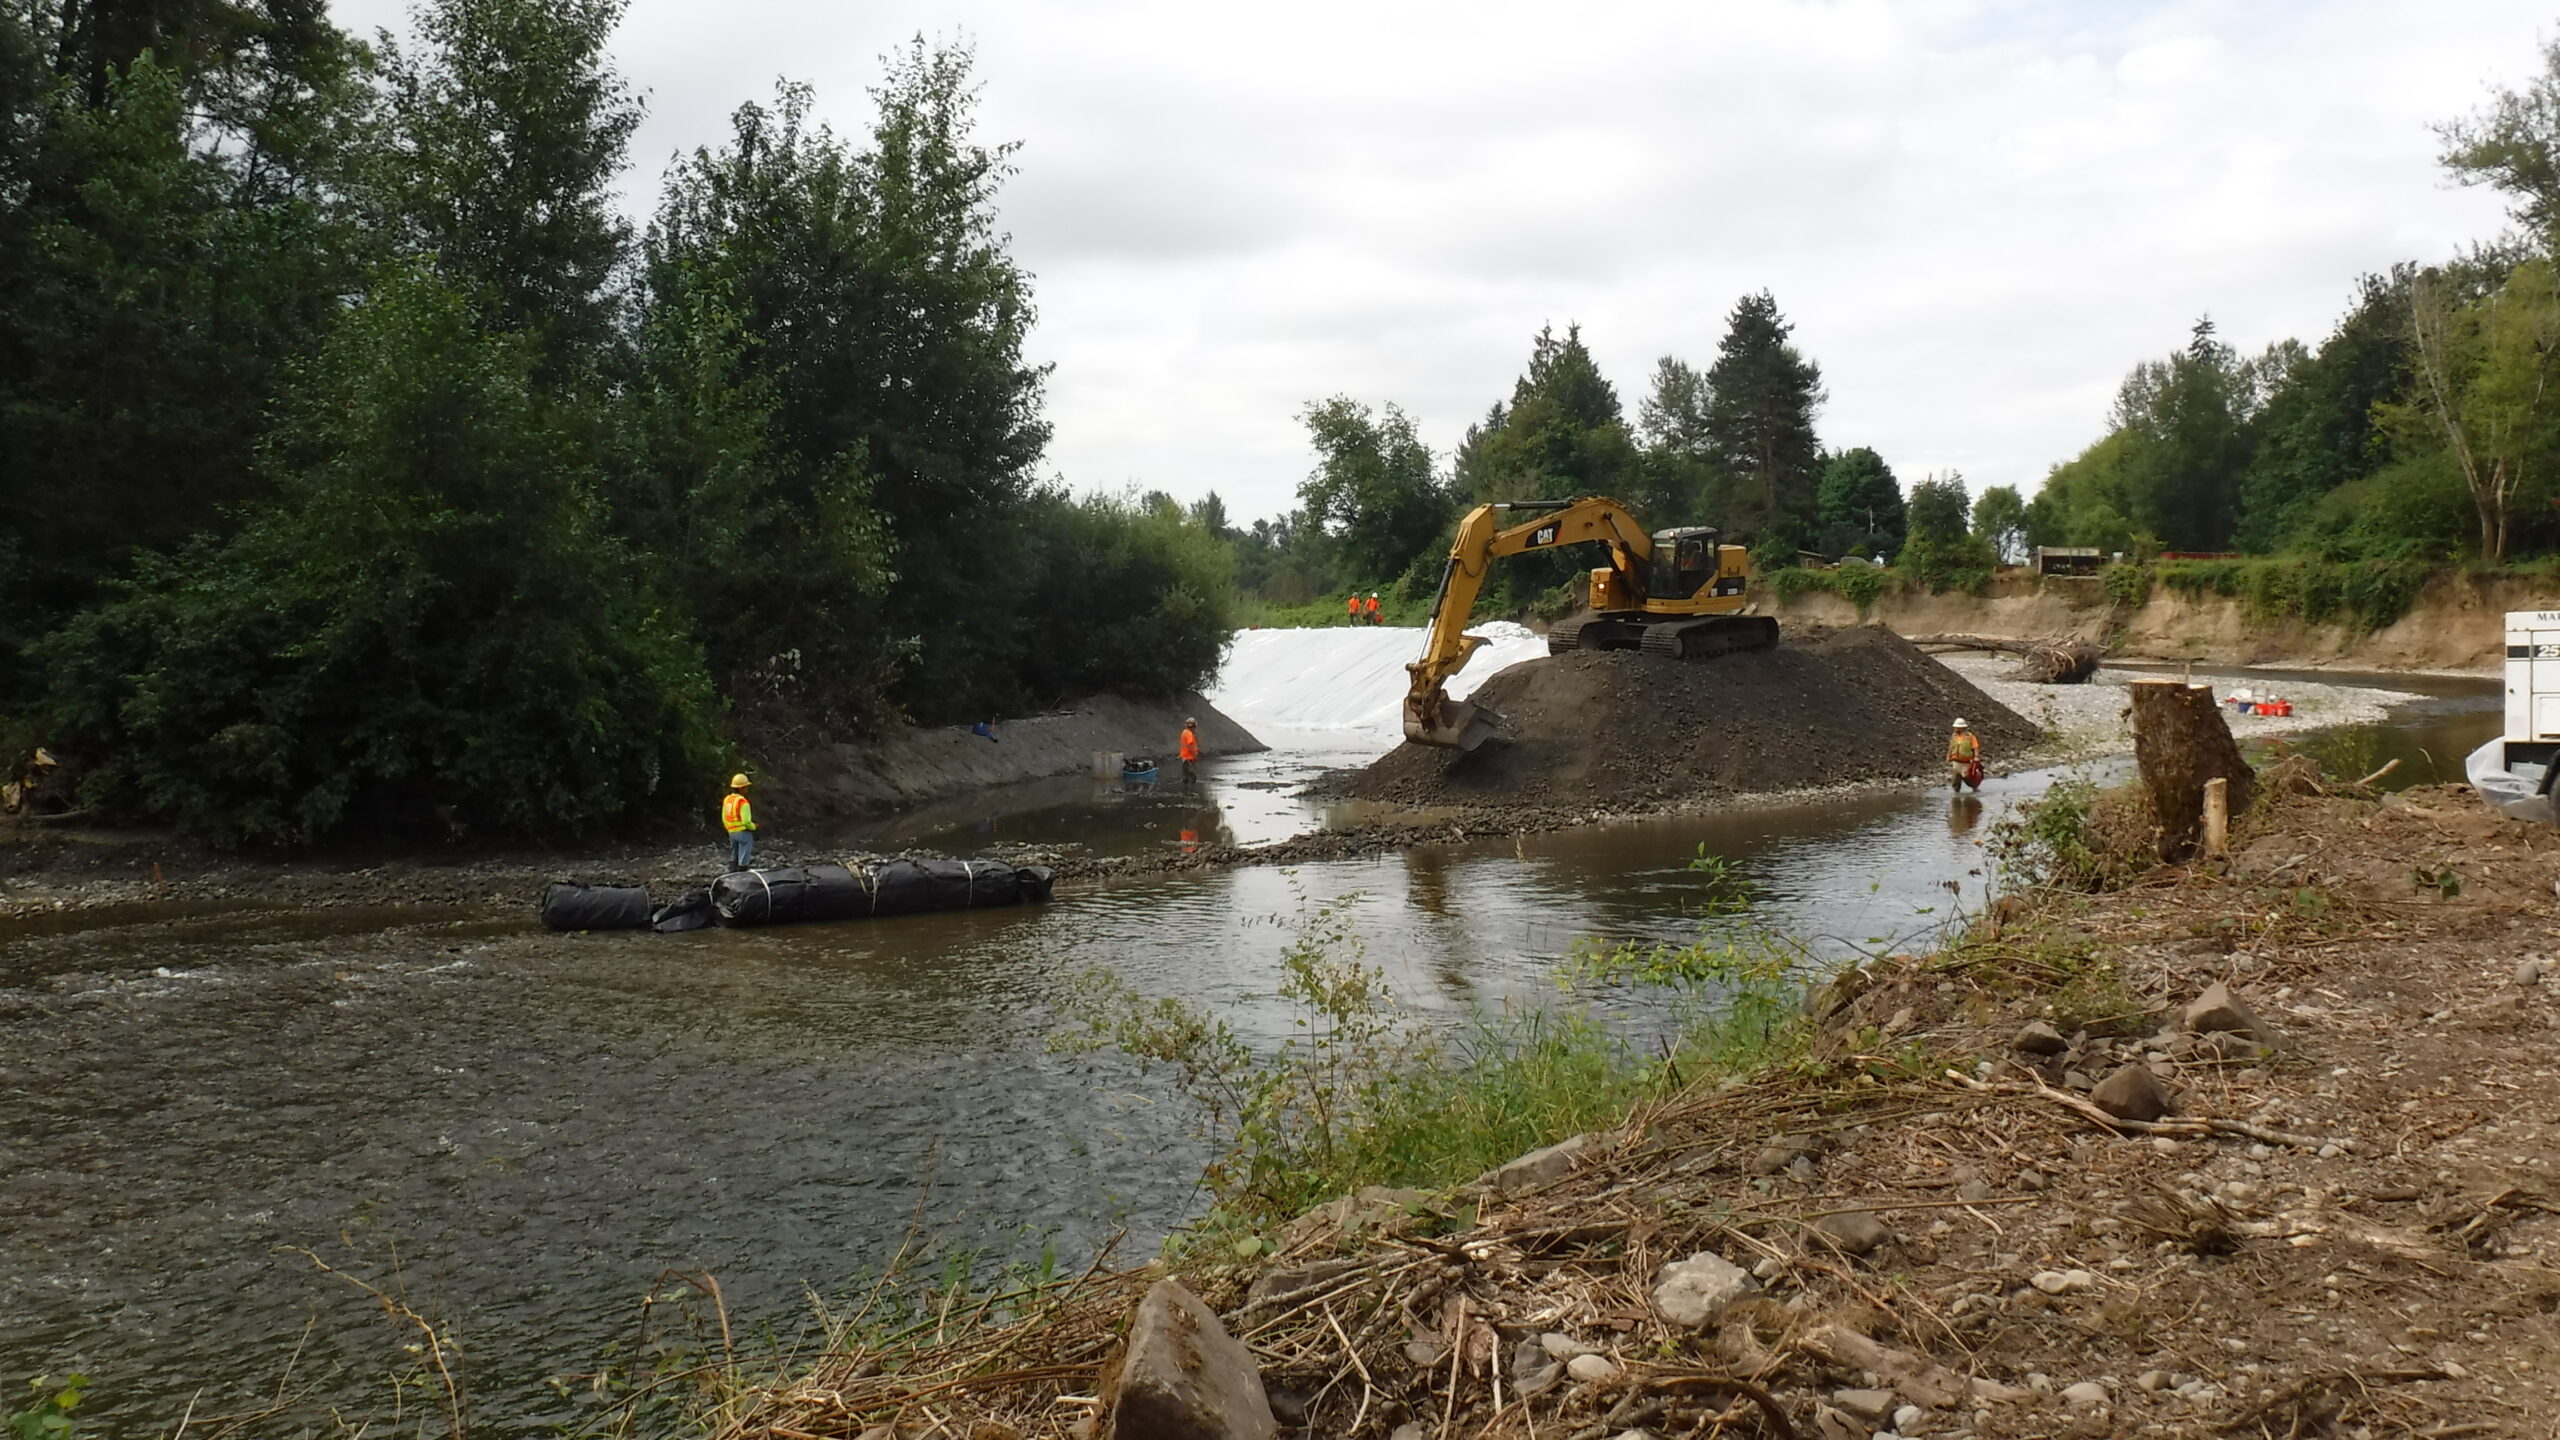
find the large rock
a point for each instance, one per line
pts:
(1781, 1154)
(2132, 1093)
(2038, 1038)
(1537, 1168)
(1182, 1377)
(2218, 1011)
(1695, 1293)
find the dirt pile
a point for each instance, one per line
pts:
(1827, 707)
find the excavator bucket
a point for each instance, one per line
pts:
(1449, 724)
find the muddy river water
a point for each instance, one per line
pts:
(518, 1133)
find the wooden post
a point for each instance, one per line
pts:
(2180, 740)
(2217, 817)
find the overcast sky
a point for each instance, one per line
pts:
(1978, 215)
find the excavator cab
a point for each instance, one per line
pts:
(1685, 561)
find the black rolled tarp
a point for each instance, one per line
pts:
(573, 905)
(892, 887)
(689, 911)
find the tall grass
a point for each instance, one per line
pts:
(1363, 1091)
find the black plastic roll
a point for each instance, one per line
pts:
(573, 905)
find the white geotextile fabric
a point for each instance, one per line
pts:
(1344, 685)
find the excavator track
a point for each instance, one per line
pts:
(1597, 632)
(1710, 636)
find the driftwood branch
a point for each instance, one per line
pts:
(2048, 662)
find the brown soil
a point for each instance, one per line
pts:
(1827, 707)
(2355, 1232)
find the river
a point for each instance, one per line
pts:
(519, 1133)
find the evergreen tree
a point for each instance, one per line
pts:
(1760, 429)
(1676, 464)
(1859, 505)
(1562, 433)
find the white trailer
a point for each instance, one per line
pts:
(2515, 771)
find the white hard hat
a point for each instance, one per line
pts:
(1960, 722)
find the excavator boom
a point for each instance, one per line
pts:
(1490, 532)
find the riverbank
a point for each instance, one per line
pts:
(54, 869)
(1930, 1215)
(2453, 624)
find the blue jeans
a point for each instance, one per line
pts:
(742, 845)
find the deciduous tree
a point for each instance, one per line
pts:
(1373, 489)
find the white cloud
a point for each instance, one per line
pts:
(1979, 213)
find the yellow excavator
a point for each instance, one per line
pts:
(1675, 593)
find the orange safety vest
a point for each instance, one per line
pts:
(735, 813)
(1190, 744)
(1373, 604)
(1963, 746)
(1351, 606)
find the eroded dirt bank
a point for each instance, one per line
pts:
(2457, 623)
(1924, 1224)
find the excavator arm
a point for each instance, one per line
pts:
(1488, 533)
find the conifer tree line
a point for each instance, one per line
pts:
(2424, 429)
(1734, 445)
(366, 469)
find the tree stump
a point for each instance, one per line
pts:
(2180, 741)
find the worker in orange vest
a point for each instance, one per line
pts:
(1190, 750)
(1373, 609)
(738, 818)
(1964, 758)
(1351, 609)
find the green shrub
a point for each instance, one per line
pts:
(49, 1407)
(2368, 593)
(1860, 585)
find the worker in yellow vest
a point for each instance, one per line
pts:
(1191, 750)
(738, 817)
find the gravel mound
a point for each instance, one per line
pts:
(1827, 707)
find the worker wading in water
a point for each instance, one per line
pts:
(738, 818)
(1964, 758)
(1190, 750)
